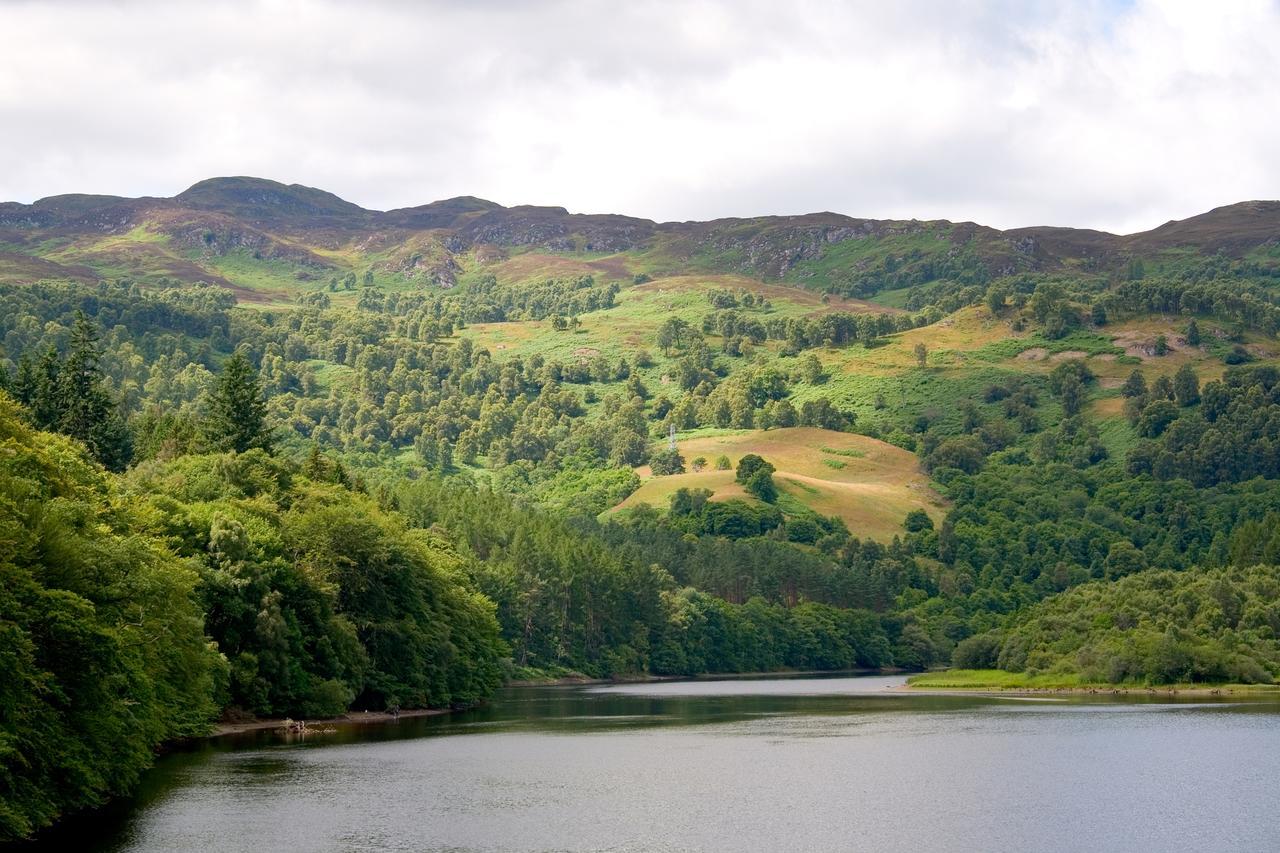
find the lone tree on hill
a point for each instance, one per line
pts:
(1193, 333)
(237, 410)
(749, 464)
(756, 476)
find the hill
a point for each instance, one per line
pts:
(869, 484)
(271, 241)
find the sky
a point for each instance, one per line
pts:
(1110, 115)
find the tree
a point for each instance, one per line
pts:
(922, 355)
(102, 646)
(666, 462)
(748, 465)
(761, 484)
(996, 296)
(87, 412)
(1186, 386)
(1135, 385)
(671, 334)
(918, 520)
(723, 463)
(1072, 393)
(698, 463)
(1156, 417)
(811, 369)
(1193, 333)
(237, 412)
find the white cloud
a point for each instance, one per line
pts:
(1105, 115)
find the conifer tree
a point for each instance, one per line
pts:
(44, 397)
(237, 409)
(69, 397)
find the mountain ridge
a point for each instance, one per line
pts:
(313, 231)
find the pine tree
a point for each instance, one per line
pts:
(1135, 385)
(86, 411)
(1193, 333)
(44, 397)
(237, 409)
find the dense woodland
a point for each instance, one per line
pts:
(210, 509)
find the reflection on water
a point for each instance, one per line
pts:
(774, 764)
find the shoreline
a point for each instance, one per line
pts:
(352, 718)
(574, 680)
(360, 718)
(1132, 691)
(223, 728)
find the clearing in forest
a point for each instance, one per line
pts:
(870, 484)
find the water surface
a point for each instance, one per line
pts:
(762, 764)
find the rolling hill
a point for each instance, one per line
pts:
(869, 484)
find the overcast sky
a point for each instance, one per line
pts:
(1110, 115)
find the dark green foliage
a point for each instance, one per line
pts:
(748, 465)
(1186, 386)
(981, 651)
(615, 599)
(918, 520)
(1231, 437)
(102, 656)
(964, 453)
(760, 485)
(488, 301)
(1238, 355)
(68, 396)
(1135, 385)
(1068, 381)
(237, 411)
(666, 462)
(1193, 333)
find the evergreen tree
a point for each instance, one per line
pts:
(1135, 385)
(44, 396)
(86, 411)
(237, 409)
(1193, 333)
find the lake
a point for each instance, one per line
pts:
(803, 764)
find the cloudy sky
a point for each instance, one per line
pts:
(1111, 115)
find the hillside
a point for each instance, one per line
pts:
(827, 308)
(270, 241)
(869, 484)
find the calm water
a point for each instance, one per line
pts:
(777, 764)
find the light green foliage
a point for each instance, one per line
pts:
(101, 648)
(317, 596)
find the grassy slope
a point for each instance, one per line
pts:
(870, 484)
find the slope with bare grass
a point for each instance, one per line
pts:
(868, 483)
